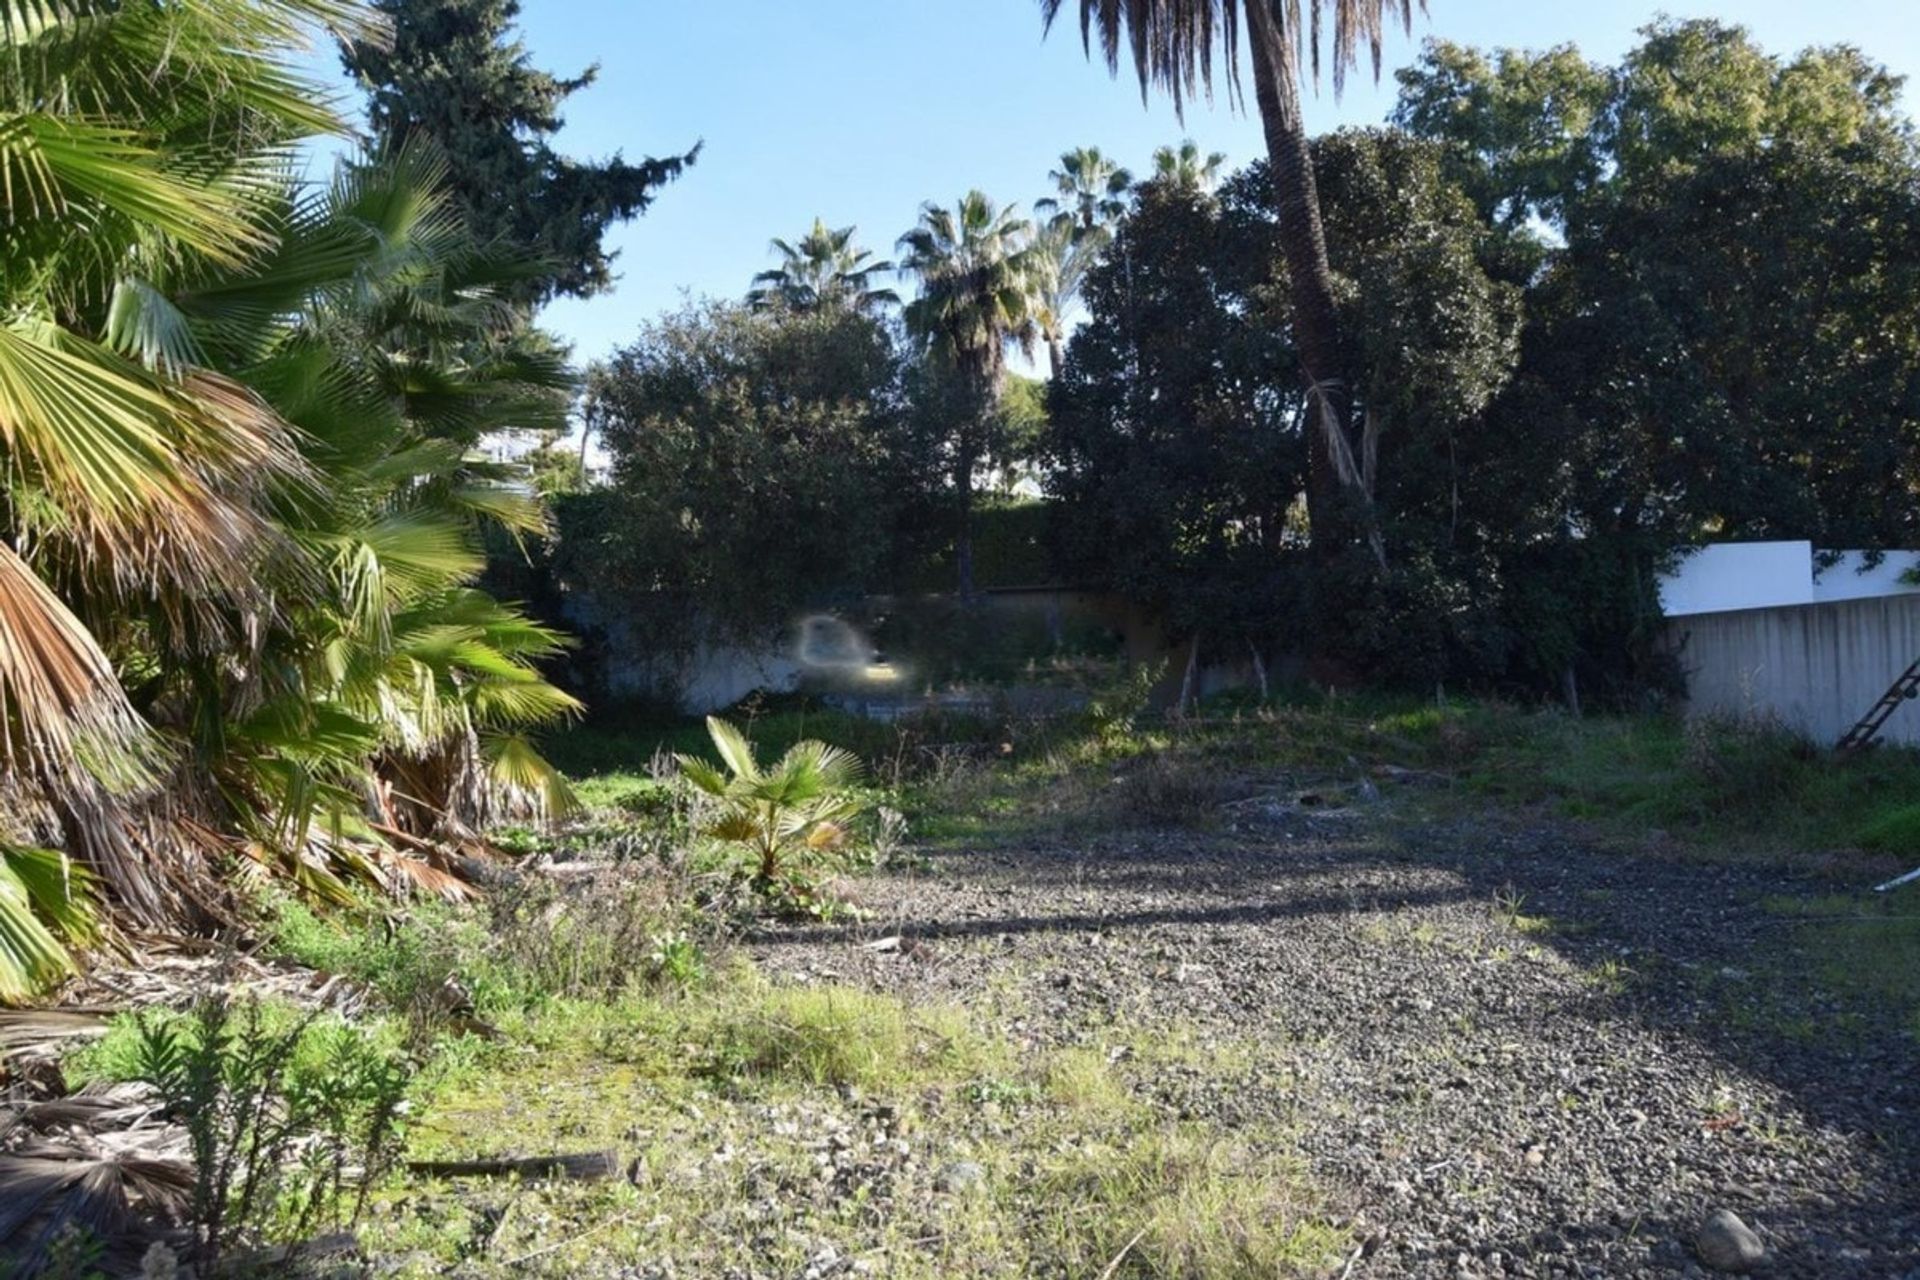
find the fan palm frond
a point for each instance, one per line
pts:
(824, 270)
(46, 901)
(1185, 48)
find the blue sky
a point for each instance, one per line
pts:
(858, 110)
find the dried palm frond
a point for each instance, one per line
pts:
(102, 1163)
(61, 704)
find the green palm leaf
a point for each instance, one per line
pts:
(51, 168)
(92, 433)
(524, 772)
(43, 896)
(734, 749)
(701, 774)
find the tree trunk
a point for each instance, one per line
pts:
(984, 375)
(1303, 242)
(1056, 357)
(963, 540)
(1188, 677)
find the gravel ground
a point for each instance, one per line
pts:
(1489, 1093)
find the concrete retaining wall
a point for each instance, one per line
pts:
(1818, 667)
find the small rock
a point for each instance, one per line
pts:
(961, 1175)
(1727, 1244)
(159, 1263)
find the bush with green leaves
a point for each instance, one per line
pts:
(1113, 712)
(783, 818)
(290, 1118)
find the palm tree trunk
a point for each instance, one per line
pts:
(963, 540)
(1303, 242)
(1056, 357)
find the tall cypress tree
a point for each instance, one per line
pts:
(456, 72)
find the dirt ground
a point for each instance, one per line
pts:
(1506, 1053)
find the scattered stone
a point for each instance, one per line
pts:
(1480, 1062)
(958, 1177)
(1727, 1244)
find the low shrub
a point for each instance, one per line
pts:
(587, 937)
(838, 1036)
(291, 1116)
(1169, 789)
(1742, 763)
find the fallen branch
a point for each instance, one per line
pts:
(584, 1166)
(340, 1242)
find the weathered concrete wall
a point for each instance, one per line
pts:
(714, 676)
(1818, 667)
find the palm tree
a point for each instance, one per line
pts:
(235, 435)
(799, 804)
(979, 276)
(1175, 47)
(1090, 191)
(1062, 255)
(391, 339)
(824, 270)
(1183, 167)
(139, 483)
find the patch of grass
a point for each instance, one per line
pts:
(1180, 1201)
(1865, 946)
(837, 1036)
(626, 791)
(1894, 829)
(1612, 976)
(1509, 907)
(1083, 1078)
(770, 1126)
(1735, 787)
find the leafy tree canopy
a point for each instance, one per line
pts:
(1171, 444)
(454, 71)
(1724, 345)
(759, 466)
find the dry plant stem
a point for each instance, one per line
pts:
(1121, 1256)
(589, 1233)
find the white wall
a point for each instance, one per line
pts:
(1739, 575)
(1818, 668)
(1848, 578)
(1766, 575)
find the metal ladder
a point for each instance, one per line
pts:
(1907, 686)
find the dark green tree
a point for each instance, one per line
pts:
(759, 466)
(1725, 345)
(1721, 339)
(455, 72)
(1179, 449)
(1172, 449)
